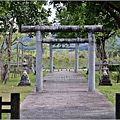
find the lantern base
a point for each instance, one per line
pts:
(105, 81)
(24, 81)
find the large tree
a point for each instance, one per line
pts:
(82, 13)
(14, 14)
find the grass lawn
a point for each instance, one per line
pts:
(108, 91)
(11, 87)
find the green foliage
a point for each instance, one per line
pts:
(108, 91)
(65, 59)
(83, 67)
(14, 14)
(23, 13)
(11, 87)
(85, 12)
(90, 13)
(81, 56)
(18, 13)
(113, 67)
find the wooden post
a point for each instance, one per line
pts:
(15, 105)
(91, 63)
(117, 105)
(0, 108)
(76, 58)
(51, 58)
(39, 76)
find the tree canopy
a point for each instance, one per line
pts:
(87, 13)
(14, 14)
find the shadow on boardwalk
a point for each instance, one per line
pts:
(66, 96)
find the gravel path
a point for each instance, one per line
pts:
(66, 96)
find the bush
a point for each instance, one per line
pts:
(83, 67)
(113, 67)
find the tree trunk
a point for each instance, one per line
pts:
(6, 72)
(100, 44)
(1, 65)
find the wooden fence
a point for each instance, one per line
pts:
(15, 106)
(117, 105)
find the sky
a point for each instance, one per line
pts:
(53, 11)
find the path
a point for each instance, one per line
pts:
(66, 96)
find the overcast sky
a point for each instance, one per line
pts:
(53, 11)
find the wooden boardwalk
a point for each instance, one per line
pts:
(66, 96)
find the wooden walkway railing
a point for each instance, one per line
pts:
(15, 106)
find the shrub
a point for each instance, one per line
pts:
(113, 67)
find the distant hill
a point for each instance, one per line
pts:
(26, 39)
(83, 46)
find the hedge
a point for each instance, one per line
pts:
(114, 67)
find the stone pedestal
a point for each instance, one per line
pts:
(105, 77)
(105, 81)
(25, 81)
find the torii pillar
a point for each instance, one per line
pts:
(51, 58)
(39, 73)
(91, 64)
(76, 58)
(91, 29)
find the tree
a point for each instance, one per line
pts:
(14, 14)
(82, 13)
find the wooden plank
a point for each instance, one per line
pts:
(6, 111)
(117, 105)
(50, 28)
(6, 103)
(15, 105)
(73, 40)
(0, 108)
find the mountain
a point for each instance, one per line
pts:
(24, 40)
(83, 46)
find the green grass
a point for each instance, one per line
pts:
(108, 91)
(11, 87)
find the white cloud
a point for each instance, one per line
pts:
(52, 10)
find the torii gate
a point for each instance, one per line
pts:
(65, 47)
(91, 29)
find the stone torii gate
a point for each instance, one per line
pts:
(65, 47)
(91, 29)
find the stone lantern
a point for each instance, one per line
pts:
(25, 81)
(105, 77)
